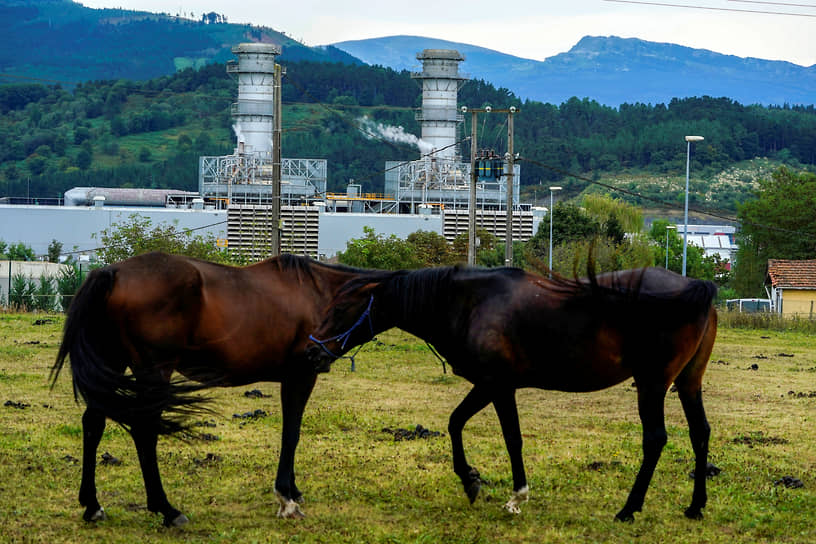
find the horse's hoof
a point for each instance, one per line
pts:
(627, 517)
(179, 521)
(98, 515)
(693, 513)
(519, 497)
(289, 508)
(472, 490)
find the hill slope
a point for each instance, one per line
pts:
(63, 40)
(612, 71)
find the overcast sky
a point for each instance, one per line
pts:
(534, 29)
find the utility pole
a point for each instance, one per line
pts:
(508, 238)
(471, 256)
(474, 178)
(275, 211)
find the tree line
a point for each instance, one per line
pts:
(151, 133)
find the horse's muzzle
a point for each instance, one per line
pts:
(319, 359)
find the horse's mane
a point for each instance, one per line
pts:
(305, 266)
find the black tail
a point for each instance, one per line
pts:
(700, 294)
(98, 363)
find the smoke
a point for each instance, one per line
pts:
(236, 128)
(372, 129)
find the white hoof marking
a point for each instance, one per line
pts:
(288, 508)
(519, 497)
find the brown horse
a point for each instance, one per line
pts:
(215, 325)
(504, 329)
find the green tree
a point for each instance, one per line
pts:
(68, 282)
(45, 295)
(20, 252)
(430, 248)
(21, 293)
(138, 235)
(54, 251)
(378, 251)
(778, 224)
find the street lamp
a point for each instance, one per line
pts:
(689, 139)
(552, 190)
(668, 228)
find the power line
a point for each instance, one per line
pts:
(775, 3)
(711, 8)
(710, 213)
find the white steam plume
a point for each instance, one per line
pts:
(373, 129)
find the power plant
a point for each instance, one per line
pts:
(273, 202)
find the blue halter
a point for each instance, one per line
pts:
(344, 337)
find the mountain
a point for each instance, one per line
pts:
(611, 70)
(61, 40)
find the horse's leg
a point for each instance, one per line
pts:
(93, 425)
(690, 390)
(651, 395)
(699, 432)
(475, 401)
(295, 392)
(145, 436)
(505, 404)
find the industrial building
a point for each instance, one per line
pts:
(254, 199)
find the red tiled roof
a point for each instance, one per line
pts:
(792, 274)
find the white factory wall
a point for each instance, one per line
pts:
(36, 226)
(338, 228)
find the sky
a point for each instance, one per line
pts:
(533, 29)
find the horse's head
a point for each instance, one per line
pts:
(346, 323)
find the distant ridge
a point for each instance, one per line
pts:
(612, 71)
(66, 41)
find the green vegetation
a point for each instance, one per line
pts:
(151, 133)
(581, 450)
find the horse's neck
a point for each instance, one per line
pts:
(422, 313)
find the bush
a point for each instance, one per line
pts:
(21, 293)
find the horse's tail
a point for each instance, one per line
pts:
(699, 295)
(98, 362)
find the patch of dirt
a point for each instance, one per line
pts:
(210, 424)
(760, 356)
(70, 459)
(256, 414)
(18, 405)
(720, 362)
(410, 434)
(43, 321)
(758, 439)
(784, 354)
(598, 465)
(209, 459)
(711, 471)
(255, 394)
(802, 394)
(753, 367)
(790, 482)
(108, 459)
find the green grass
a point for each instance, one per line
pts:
(362, 486)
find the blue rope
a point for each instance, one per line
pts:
(346, 335)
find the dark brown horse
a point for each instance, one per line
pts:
(504, 329)
(133, 323)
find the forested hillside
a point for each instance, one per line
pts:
(64, 40)
(151, 133)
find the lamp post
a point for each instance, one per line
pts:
(668, 228)
(689, 139)
(552, 190)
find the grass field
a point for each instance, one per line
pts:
(582, 452)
